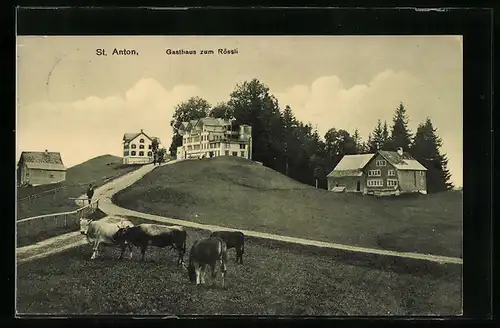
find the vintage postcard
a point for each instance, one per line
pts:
(239, 175)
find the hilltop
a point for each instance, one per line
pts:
(98, 170)
(238, 193)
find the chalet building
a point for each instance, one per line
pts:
(137, 148)
(382, 173)
(212, 137)
(40, 168)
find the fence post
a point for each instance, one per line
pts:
(65, 220)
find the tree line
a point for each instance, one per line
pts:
(294, 148)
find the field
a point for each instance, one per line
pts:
(237, 193)
(98, 170)
(275, 279)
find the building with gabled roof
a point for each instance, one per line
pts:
(40, 168)
(212, 137)
(137, 148)
(380, 173)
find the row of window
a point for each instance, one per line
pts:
(377, 173)
(133, 146)
(226, 152)
(133, 153)
(216, 145)
(380, 162)
(380, 183)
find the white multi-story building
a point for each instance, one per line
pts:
(212, 137)
(137, 148)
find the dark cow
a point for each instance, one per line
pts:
(203, 253)
(233, 239)
(144, 235)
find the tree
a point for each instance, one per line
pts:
(161, 155)
(358, 142)
(192, 109)
(253, 104)
(376, 138)
(289, 123)
(221, 110)
(400, 134)
(339, 143)
(425, 149)
(154, 148)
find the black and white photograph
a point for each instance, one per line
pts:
(239, 175)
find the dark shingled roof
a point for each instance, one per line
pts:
(405, 162)
(43, 160)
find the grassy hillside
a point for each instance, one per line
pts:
(98, 170)
(237, 193)
(275, 280)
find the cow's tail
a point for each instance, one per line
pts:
(184, 242)
(242, 244)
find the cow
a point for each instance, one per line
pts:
(144, 235)
(233, 239)
(203, 253)
(102, 232)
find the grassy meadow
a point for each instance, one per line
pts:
(238, 193)
(275, 279)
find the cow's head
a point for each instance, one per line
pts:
(84, 225)
(121, 234)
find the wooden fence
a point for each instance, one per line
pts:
(36, 225)
(52, 191)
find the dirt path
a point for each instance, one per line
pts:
(105, 193)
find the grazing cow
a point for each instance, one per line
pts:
(144, 235)
(102, 233)
(203, 253)
(233, 239)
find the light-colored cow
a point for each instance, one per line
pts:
(103, 232)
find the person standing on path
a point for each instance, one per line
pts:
(90, 193)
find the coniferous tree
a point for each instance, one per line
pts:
(426, 149)
(376, 138)
(358, 142)
(386, 139)
(400, 133)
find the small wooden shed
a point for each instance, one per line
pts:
(40, 168)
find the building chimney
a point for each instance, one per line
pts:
(400, 151)
(141, 131)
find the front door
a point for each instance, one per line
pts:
(358, 186)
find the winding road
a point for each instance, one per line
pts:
(105, 193)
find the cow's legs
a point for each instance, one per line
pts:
(212, 267)
(181, 257)
(223, 270)
(203, 272)
(96, 252)
(239, 256)
(198, 272)
(143, 251)
(122, 248)
(130, 249)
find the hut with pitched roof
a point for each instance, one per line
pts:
(380, 173)
(40, 168)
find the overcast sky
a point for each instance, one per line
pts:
(72, 101)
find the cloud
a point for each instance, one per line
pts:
(327, 103)
(94, 126)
